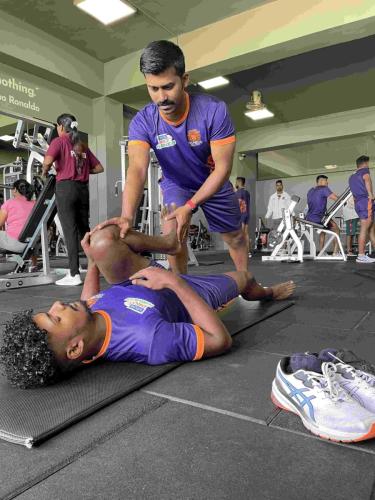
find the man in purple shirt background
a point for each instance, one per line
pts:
(243, 197)
(193, 139)
(148, 315)
(317, 205)
(361, 187)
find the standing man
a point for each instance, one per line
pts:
(317, 205)
(193, 139)
(351, 220)
(278, 202)
(361, 187)
(243, 197)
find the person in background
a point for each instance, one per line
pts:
(351, 220)
(317, 206)
(244, 202)
(74, 162)
(361, 187)
(13, 215)
(278, 202)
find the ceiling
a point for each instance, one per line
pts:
(312, 158)
(154, 20)
(320, 82)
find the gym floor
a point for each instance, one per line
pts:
(209, 430)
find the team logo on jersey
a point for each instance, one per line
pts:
(137, 305)
(243, 206)
(165, 141)
(92, 300)
(194, 137)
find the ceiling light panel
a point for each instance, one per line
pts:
(213, 82)
(106, 11)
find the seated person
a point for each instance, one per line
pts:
(317, 207)
(14, 214)
(148, 314)
(361, 187)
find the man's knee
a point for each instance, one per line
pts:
(103, 239)
(236, 239)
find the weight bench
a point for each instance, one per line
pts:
(308, 228)
(285, 234)
(35, 228)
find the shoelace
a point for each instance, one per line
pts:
(366, 377)
(327, 383)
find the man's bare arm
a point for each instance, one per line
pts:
(368, 184)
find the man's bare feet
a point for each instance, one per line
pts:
(283, 290)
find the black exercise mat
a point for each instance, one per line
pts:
(209, 262)
(29, 417)
(369, 273)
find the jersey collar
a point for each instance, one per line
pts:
(107, 338)
(182, 118)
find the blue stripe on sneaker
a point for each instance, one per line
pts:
(299, 396)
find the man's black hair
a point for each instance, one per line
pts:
(321, 176)
(161, 55)
(242, 180)
(279, 181)
(25, 355)
(362, 159)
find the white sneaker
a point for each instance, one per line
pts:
(69, 280)
(364, 259)
(360, 385)
(324, 407)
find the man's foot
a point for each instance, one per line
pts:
(69, 280)
(364, 259)
(283, 290)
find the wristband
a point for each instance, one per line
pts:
(191, 205)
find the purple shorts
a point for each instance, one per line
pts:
(364, 208)
(222, 210)
(216, 290)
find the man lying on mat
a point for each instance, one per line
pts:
(148, 314)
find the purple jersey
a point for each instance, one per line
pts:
(317, 203)
(183, 148)
(153, 327)
(243, 197)
(357, 183)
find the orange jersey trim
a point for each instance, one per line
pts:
(183, 117)
(222, 142)
(144, 144)
(107, 338)
(200, 342)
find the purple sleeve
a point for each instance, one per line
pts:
(365, 171)
(93, 161)
(54, 148)
(138, 129)
(175, 342)
(221, 125)
(328, 192)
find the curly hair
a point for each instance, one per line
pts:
(26, 357)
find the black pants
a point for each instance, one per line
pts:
(72, 200)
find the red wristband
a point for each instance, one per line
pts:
(191, 204)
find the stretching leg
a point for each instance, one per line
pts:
(118, 258)
(251, 290)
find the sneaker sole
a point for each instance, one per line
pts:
(283, 403)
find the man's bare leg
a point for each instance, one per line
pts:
(117, 258)
(179, 261)
(251, 290)
(237, 248)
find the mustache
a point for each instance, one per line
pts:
(166, 103)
